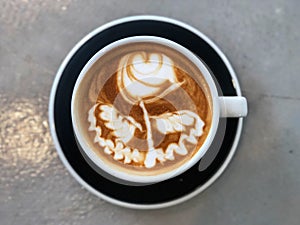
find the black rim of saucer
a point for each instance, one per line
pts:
(158, 193)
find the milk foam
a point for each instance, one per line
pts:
(143, 75)
(191, 127)
(142, 78)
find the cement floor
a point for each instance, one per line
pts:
(260, 186)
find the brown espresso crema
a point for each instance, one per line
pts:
(144, 108)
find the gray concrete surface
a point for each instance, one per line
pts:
(261, 185)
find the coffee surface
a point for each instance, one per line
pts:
(144, 108)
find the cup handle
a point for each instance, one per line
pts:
(233, 106)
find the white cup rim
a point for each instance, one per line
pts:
(196, 157)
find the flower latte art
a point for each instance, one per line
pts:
(147, 109)
(145, 78)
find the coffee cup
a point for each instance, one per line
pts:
(146, 109)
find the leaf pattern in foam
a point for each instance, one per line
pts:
(178, 122)
(186, 122)
(123, 126)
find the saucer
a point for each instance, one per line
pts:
(162, 194)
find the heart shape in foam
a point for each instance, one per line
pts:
(145, 75)
(146, 64)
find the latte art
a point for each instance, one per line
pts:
(143, 108)
(145, 75)
(144, 78)
(124, 128)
